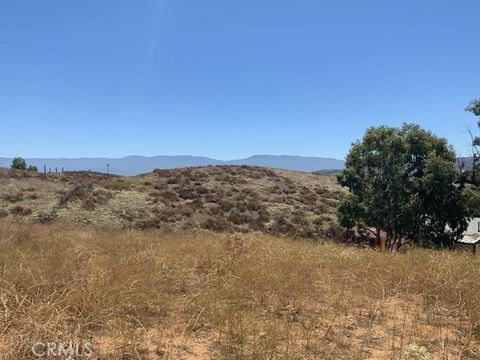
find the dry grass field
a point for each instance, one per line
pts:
(153, 294)
(216, 198)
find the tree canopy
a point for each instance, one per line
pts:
(471, 174)
(19, 163)
(474, 107)
(402, 182)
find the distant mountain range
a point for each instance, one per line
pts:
(134, 165)
(467, 162)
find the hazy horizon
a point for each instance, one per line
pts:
(134, 165)
(163, 155)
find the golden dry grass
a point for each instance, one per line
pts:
(199, 295)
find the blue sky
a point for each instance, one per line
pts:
(229, 79)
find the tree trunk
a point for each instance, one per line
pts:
(381, 239)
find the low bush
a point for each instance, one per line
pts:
(217, 224)
(87, 195)
(20, 211)
(46, 217)
(13, 198)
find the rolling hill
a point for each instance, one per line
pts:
(218, 198)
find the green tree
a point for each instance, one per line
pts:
(471, 175)
(471, 199)
(32, 168)
(401, 182)
(19, 164)
(474, 107)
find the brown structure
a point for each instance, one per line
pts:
(469, 243)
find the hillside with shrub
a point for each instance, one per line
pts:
(216, 198)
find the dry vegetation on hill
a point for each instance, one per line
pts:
(154, 295)
(218, 198)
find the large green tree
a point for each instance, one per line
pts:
(402, 183)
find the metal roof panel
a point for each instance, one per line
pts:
(470, 238)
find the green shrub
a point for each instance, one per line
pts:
(20, 211)
(19, 164)
(46, 217)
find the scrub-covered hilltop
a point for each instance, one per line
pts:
(218, 198)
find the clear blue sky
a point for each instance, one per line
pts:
(229, 79)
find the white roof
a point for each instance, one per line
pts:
(470, 239)
(472, 234)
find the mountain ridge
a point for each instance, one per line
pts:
(137, 164)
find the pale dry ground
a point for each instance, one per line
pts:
(200, 295)
(217, 198)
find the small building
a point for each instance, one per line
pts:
(470, 241)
